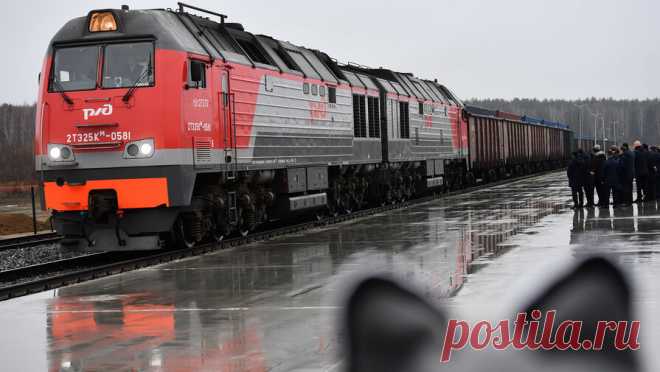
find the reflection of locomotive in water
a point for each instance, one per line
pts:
(209, 313)
(155, 124)
(144, 330)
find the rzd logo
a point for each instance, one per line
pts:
(104, 110)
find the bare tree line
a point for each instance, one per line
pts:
(17, 143)
(620, 120)
(616, 120)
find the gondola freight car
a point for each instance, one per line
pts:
(503, 145)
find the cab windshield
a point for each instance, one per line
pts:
(124, 66)
(127, 65)
(75, 68)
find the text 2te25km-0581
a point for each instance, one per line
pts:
(98, 136)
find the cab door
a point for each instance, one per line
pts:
(227, 121)
(197, 113)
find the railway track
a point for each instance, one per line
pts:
(29, 241)
(36, 278)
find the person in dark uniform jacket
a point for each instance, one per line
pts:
(641, 171)
(590, 177)
(655, 153)
(652, 163)
(576, 173)
(611, 177)
(597, 161)
(627, 174)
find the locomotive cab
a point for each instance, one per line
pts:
(106, 138)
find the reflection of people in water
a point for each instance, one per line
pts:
(623, 219)
(578, 226)
(586, 226)
(578, 221)
(620, 220)
(590, 219)
(617, 227)
(604, 220)
(643, 211)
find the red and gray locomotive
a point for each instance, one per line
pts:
(159, 124)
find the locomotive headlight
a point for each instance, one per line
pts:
(132, 149)
(65, 153)
(60, 153)
(140, 149)
(146, 149)
(55, 153)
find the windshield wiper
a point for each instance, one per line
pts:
(60, 89)
(144, 74)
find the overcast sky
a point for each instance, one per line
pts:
(478, 48)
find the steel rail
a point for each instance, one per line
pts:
(27, 241)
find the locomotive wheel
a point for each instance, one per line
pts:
(181, 236)
(219, 233)
(345, 203)
(219, 230)
(320, 215)
(217, 236)
(248, 221)
(333, 210)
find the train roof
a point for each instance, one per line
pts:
(406, 84)
(484, 112)
(212, 35)
(159, 25)
(546, 123)
(480, 111)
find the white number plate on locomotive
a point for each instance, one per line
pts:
(100, 136)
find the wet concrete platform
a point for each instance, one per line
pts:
(270, 306)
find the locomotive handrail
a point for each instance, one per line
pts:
(197, 35)
(232, 113)
(184, 5)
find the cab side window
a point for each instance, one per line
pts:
(196, 74)
(332, 95)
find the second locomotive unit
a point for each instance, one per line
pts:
(158, 124)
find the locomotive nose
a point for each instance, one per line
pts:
(94, 124)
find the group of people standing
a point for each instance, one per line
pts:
(613, 174)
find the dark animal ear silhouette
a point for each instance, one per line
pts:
(389, 328)
(596, 290)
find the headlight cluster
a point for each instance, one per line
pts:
(139, 149)
(60, 153)
(142, 149)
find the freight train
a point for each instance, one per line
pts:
(503, 144)
(176, 125)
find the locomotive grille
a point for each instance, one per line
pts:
(202, 151)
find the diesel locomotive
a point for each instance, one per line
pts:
(159, 125)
